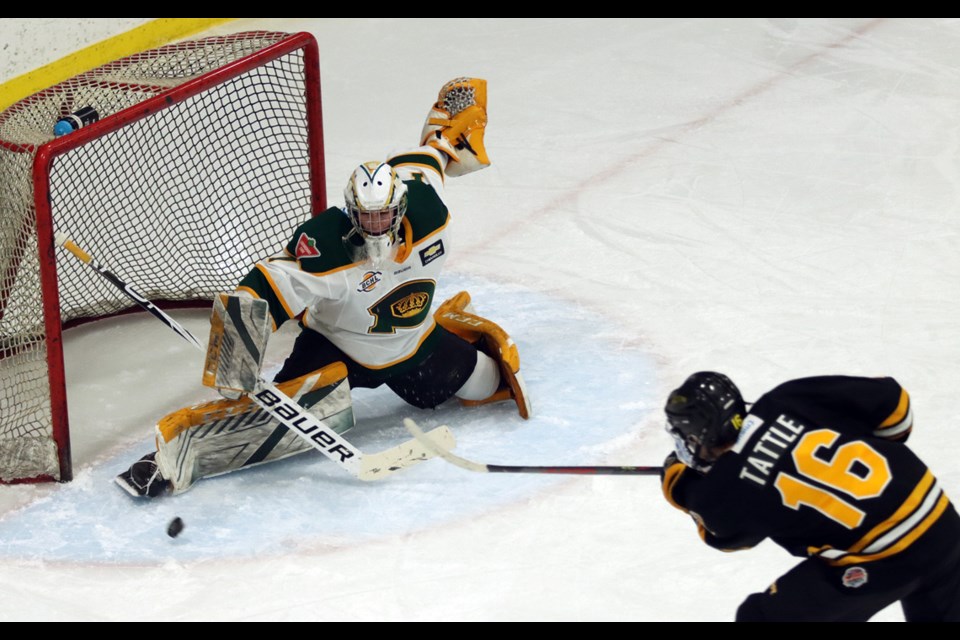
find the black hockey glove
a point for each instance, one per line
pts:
(668, 462)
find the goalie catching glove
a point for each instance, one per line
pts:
(240, 326)
(456, 123)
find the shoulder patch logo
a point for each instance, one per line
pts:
(307, 247)
(369, 281)
(431, 253)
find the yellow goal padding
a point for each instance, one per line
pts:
(153, 34)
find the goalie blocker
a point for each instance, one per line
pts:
(240, 327)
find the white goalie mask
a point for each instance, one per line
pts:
(376, 201)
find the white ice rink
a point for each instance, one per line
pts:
(771, 198)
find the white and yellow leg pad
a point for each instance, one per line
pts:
(218, 437)
(456, 316)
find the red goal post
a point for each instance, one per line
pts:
(206, 155)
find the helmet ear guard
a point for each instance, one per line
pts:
(704, 414)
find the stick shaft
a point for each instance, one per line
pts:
(131, 293)
(480, 467)
(576, 470)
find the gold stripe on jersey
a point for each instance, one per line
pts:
(900, 422)
(910, 505)
(915, 516)
(939, 506)
(420, 160)
(276, 291)
(670, 477)
(406, 247)
(433, 233)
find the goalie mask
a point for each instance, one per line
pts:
(703, 415)
(376, 201)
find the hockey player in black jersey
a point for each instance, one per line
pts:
(819, 466)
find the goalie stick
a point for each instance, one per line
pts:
(364, 466)
(444, 452)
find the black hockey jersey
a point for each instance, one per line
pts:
(821, 468)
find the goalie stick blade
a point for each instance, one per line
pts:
(427, 445)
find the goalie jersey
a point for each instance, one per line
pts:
(378, 315)
(821, 468)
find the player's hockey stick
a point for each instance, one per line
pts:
(365, 466)
(445, 453)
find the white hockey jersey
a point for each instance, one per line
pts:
(379, 316)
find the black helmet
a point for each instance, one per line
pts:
(704, 413)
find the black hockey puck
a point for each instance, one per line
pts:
(175, 527)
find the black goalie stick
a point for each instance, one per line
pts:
(444, 452)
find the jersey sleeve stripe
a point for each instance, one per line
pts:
(909, 526)
(932, 515)
(262, 285)
(897, 430)
(910, 505)
(898, 422)
(406, 247)
(417, 159)
(918, 513)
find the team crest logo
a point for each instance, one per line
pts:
(370, 280)
(431, 253)
(307, 247)
(854, 577)
(410, 305)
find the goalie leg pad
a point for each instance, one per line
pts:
(240, 326)
(456, 315)
(214, 438)
(456, 123)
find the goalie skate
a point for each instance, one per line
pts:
(143, 478)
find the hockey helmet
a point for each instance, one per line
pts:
(376, 199)
(703, 414)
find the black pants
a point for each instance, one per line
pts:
(814, 591)
(439, 373)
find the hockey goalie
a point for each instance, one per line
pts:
(360, 280)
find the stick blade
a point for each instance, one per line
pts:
(442, 451)
(374, 466)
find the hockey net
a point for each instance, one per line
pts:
(206, 155)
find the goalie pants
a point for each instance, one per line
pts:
(430, 377)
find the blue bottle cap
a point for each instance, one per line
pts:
(62, 128)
